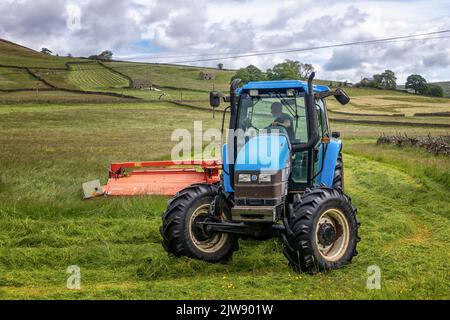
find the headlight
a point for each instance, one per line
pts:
(244, 178)
(265, 177)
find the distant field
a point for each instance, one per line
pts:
(57, 78)
(388, 104)
(174, 76)
(15, 78)
(55, 96)
(88, 76)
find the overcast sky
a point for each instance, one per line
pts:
(141, 30)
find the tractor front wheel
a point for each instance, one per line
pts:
(183, 232)
(322, 231)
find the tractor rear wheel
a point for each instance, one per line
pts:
(322, 231)
(338, 179)
(182, 231)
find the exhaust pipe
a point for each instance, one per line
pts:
(313, 132)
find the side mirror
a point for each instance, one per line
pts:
(342, 96)
(214, 99)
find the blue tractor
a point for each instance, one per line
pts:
(282, 176)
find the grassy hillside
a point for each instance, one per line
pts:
(16, 55)
(171, 76)
(16, 78)
(46, 226)
(89, 76)
(55, 96)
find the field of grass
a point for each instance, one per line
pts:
(388, 104)
(162, 75)
(93, 76)
(48, 150)
(55, 96)
(15, 78)
(53, 141)
(56, 78)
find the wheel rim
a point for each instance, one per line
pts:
(332, 234)
(204, 241)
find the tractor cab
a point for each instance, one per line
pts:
(282, 176)
(279, 144)
(279, 107)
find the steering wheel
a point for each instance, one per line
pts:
(277, 126)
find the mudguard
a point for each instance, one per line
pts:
(329, 163)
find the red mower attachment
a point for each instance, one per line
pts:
(159, 177)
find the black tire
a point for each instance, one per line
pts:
(338, 179)
(181, 237)
(301, 248)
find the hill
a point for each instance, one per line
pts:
(79, 79)
(12, 54)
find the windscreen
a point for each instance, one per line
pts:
(274, 110)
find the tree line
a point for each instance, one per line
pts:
(387, 80)
(291, 69)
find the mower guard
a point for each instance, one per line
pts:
(159, 177)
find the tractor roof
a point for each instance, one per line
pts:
(282, 84)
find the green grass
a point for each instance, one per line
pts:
(56, 96)
(162, 75)
(92, 76)
(14, 55)
(14, 78)
(57, 78)
(48, 150)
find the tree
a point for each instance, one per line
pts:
(249, 73)
(106, 55)
(46, 51)
(69, 55)
(286, 70)
(435, 90)
(220, 66)
(386, 80)
(417, 83)
(290, 69)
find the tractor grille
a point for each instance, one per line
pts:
(256, 202)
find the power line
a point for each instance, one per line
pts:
(292, 49)
(364, 42)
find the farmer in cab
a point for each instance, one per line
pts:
(282, 119)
